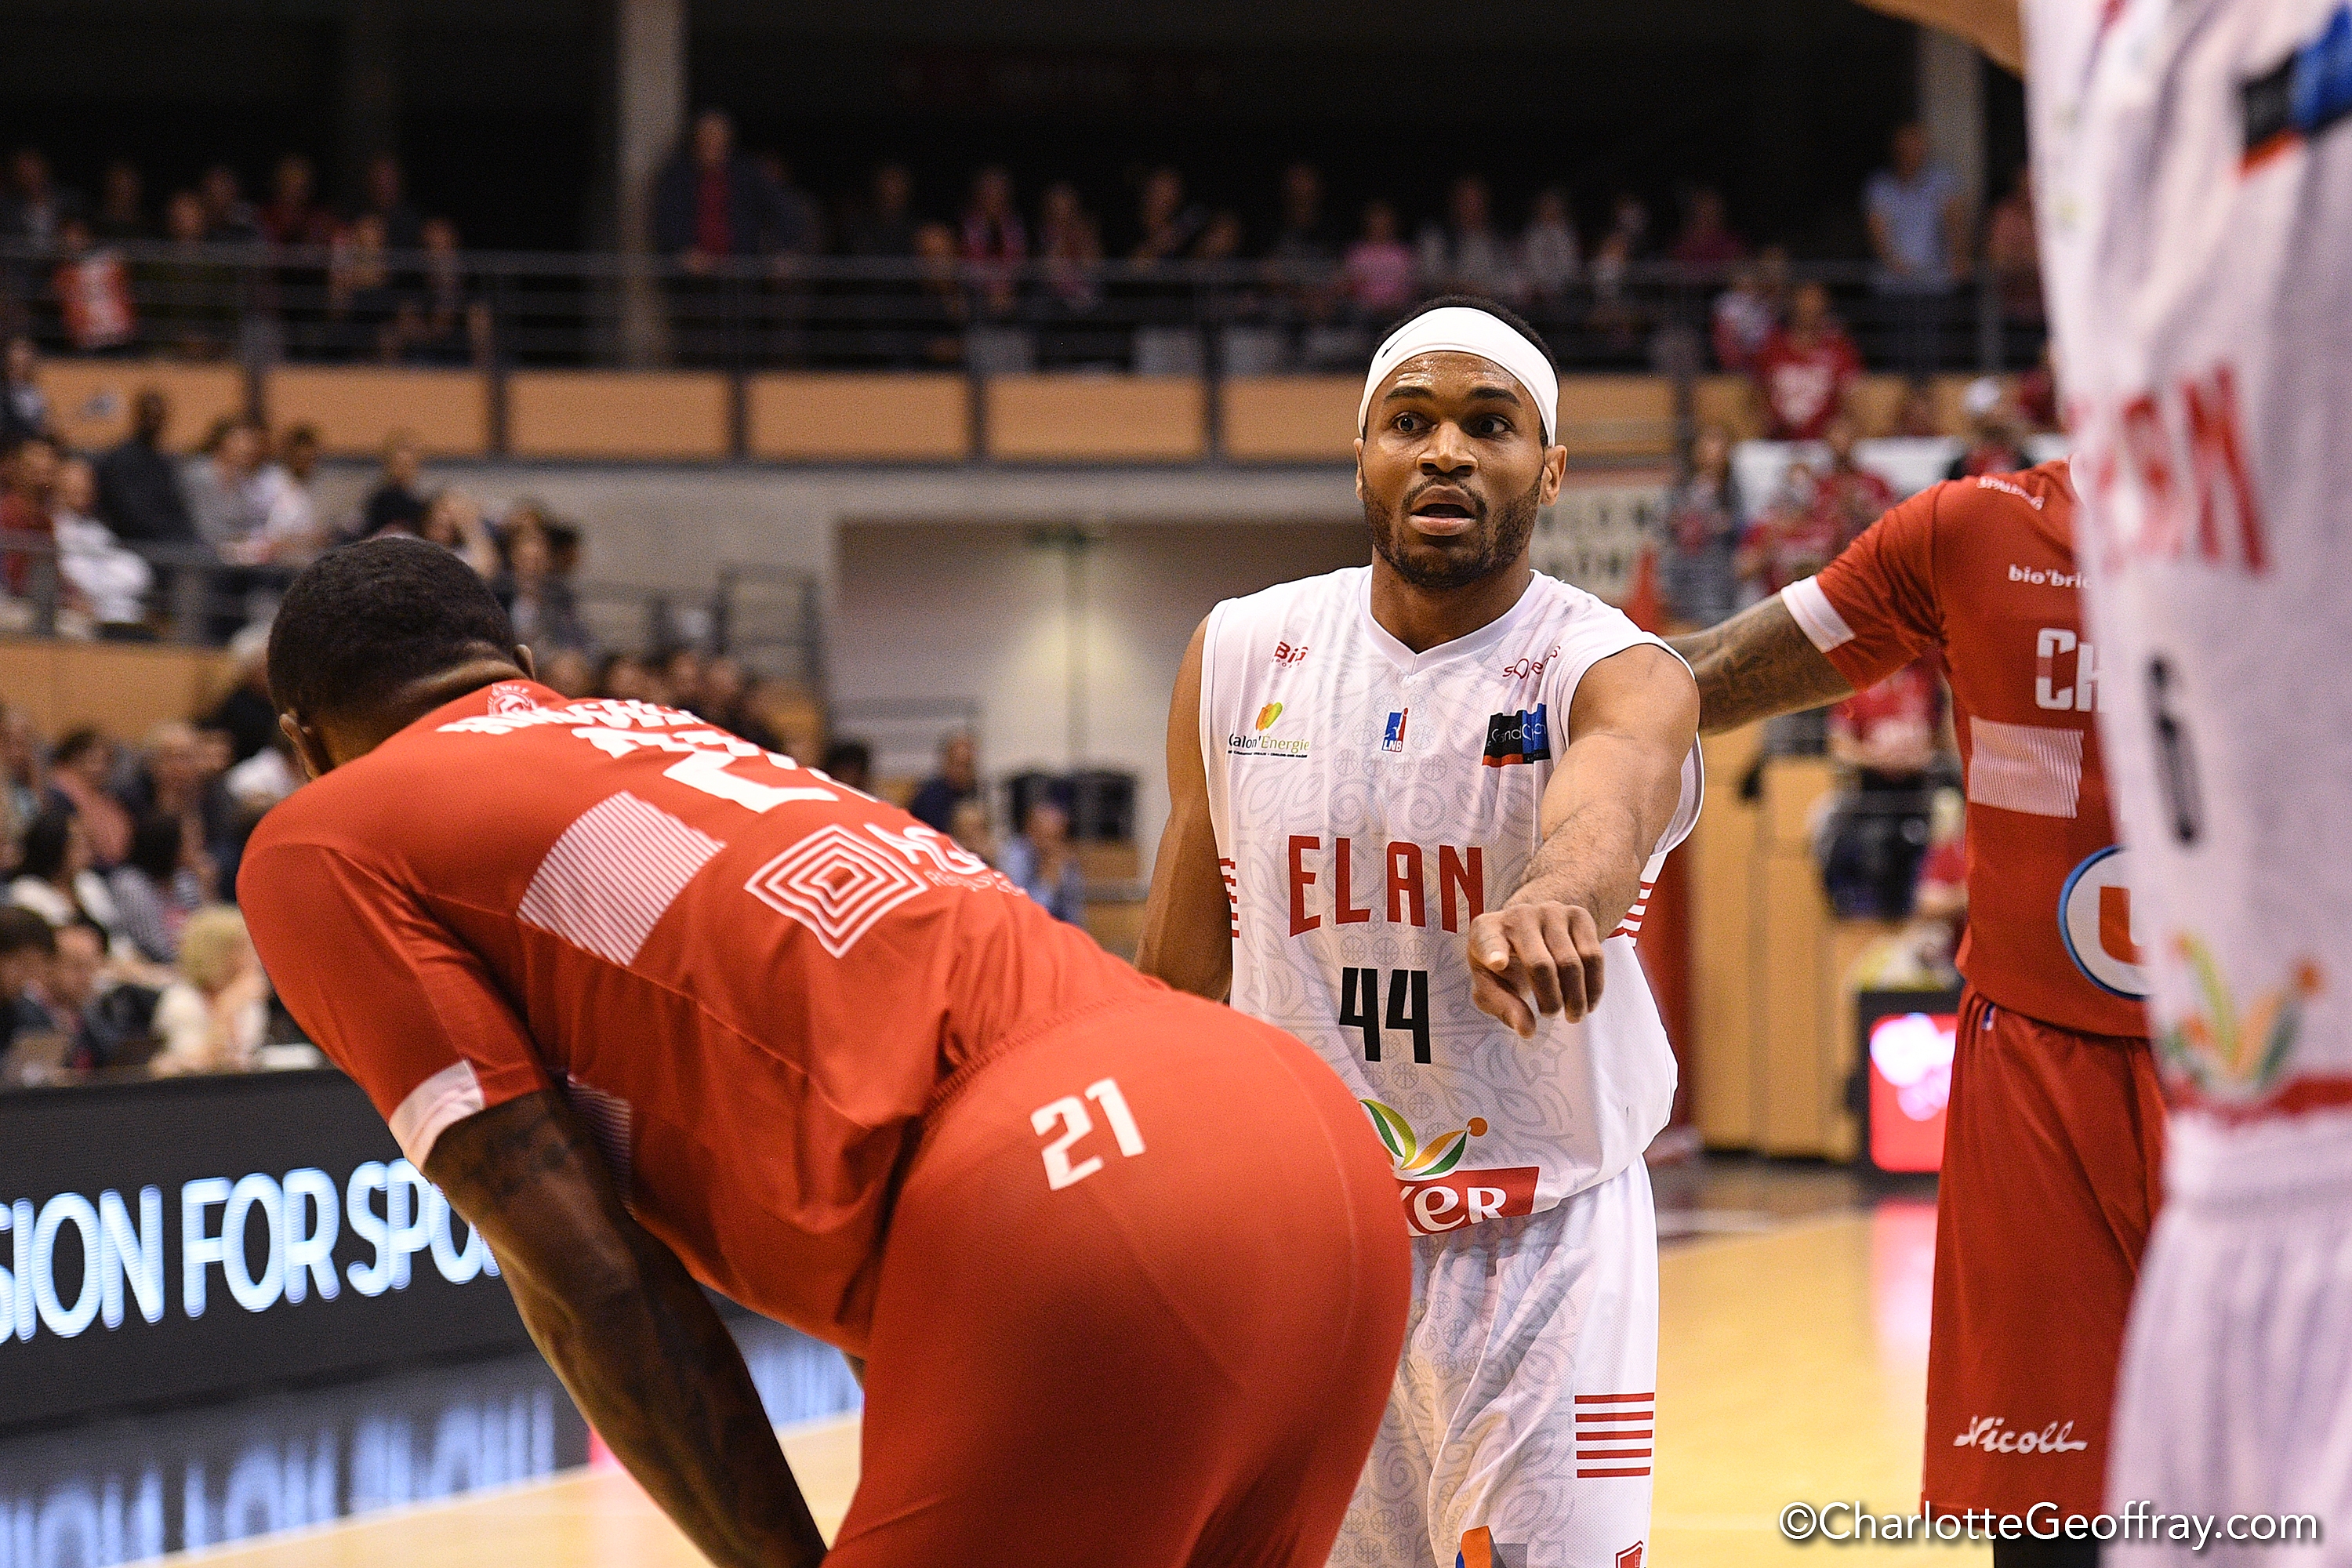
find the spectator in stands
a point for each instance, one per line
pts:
(1742, 321)
(1629, 223)
(229, 218)
(395, 502)
(213, 1019)
(22, 787)
(1070, 256)
(362, 301)
(567, 672)
(1851, 496)
(941, 309)
(55, 879)
(1918, 232)
(995, 243)
(1702, 526)
(294, 535)
(1465, 255)
(104, 582)
(440, 320)
(24, 408)
(851, 762)
(181, 777)
(1708, 238)
(712, 203)
(1167, 224)
(245, 713)
(1804, 370)
(81, 784)
(1790, 538)
(294, 216)
(93, 292)
(1917, 417)
(799, 226)
(228, 498)
(1996, 433)
(2037, 394)
(882, 228)
(1549, 257)
(972, 832)
(727, 697)
(156, 890)
(1041, 862)
(121, 205)
(25, 505)
(190, 299)
(1615, 317)
(624, 678)
(1380, 270)
(138, 486)
(958, 780)
(545, 614)
(1301, 261)
(1879, 830)
(35, 207)
(29, 1032)
(387, 201)
(80, 992)
(2012, 258)
(453, 520)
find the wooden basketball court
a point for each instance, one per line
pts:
(1792, 1366)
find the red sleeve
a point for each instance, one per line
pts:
(385, 990)
(1882, 586)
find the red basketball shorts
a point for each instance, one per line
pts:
(1140, 1306)
(2051, 1146)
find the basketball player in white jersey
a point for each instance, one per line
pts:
(1417, 807)
(2193, 169)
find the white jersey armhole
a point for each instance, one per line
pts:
(1212, 730)
(1694, 773)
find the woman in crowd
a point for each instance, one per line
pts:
(453, 521)
(55, 880)
(1703, 525)
(213, 1018)
(545, 614)
(155, 891)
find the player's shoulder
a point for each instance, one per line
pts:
(2040, 490)
(1286, 610)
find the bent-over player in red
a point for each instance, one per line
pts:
(655, 1006)
(2055, 1128)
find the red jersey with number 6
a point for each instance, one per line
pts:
(749, 979)
(1983, 570)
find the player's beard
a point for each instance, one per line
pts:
(1437, 566)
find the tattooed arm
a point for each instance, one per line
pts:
(628, 1331)
(1757, 664)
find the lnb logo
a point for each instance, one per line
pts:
(116, 1261)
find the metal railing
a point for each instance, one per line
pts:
(258, 305)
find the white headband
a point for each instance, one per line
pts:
(1462, 328)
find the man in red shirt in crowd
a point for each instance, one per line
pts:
(2055, 1128)
(1804, 370)
(659, 1009)
(1849, 495)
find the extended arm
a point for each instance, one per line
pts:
(1611, 800)
(1188, 924)
(628, 1331)
(1991, 25)
(1757, 664)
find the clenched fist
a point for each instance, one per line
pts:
(1551, 949)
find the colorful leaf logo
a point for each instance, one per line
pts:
(1268, 714)
(1414, 1160)
(2221, 1046)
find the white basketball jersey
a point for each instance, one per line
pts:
(2193, 160)
(1369, 802)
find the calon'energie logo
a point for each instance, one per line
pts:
(1416, 1160)
(2227, 1052)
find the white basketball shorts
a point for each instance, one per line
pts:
(1519, 1432)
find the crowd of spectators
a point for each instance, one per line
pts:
(1004, 272)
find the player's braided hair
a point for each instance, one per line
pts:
(1501, 313)
(365, 620)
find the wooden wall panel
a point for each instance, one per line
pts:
(90, 399)
(1791, 919)
(358, 407)
(1727, 400)
(913, 418)
(1096, 419)
(123, 689)
(1722, 851)
(1617, 416)
(618, 416)
(1292, 418)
